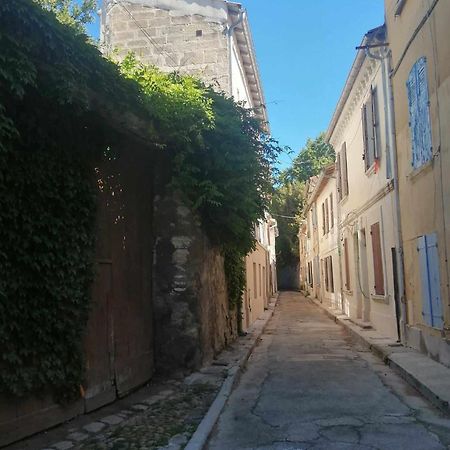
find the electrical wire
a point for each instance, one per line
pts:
(160, 50)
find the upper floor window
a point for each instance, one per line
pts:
(419, 114)
(341, 165)
(370, 122)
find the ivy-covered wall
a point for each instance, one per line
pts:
(80, 140)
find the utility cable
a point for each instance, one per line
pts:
(160, 50)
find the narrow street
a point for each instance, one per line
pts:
(309, 386)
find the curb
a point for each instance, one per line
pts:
(428, 377)
(204, 430)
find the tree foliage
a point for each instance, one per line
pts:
(77, 14)
(222, 158)
(289, 201)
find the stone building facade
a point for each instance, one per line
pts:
(210, 39)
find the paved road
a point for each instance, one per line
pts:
(309, 386)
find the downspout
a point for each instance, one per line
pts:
(392, 144)
(229, 31)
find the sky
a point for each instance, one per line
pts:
(305, 49)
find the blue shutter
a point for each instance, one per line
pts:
(426, 303)
(434, 281)
(430, 277)
(419, 113)
(412, 104)
(424, 110)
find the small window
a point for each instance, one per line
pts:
(419, 114)
(377, 259)
(199, 33)
(370, 122)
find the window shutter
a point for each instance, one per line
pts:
(435, 281)
(419, 113)
(424, 111)
(327, 217)
(331, 276)
(323, 219)
(377, 259)
(370, 133)
(365, 136)
(376, 123)
(339, 176)
(331, 211)
(426, 301)
(347, 268)
(344, 169)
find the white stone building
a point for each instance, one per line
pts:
(366, 203)
(320, 245)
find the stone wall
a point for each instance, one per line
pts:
(192, 319)
(170, 39)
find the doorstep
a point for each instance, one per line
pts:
(429, 377)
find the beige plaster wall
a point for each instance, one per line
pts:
(255, 301)
(424, 194)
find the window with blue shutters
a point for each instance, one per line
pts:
(419, 114)
(427, 246)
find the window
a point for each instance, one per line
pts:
(347, 265)
(419, 114)
(342, 172)
(427, 247)
(370, 122)
(377, 259)
(331, 211)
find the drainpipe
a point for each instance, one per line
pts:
(229, 31)
(392, 144)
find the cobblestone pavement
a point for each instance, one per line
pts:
(168, 421)
(309, 386)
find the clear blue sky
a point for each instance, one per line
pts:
(305, 49)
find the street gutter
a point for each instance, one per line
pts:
(204, 430)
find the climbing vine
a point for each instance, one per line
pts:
(54, 88)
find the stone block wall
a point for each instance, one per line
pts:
(189, 44)
(192, 319)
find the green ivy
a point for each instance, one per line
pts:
(54, 88)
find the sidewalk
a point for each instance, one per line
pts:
(165, 413)
(429, 377)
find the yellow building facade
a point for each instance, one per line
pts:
(418, 36)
